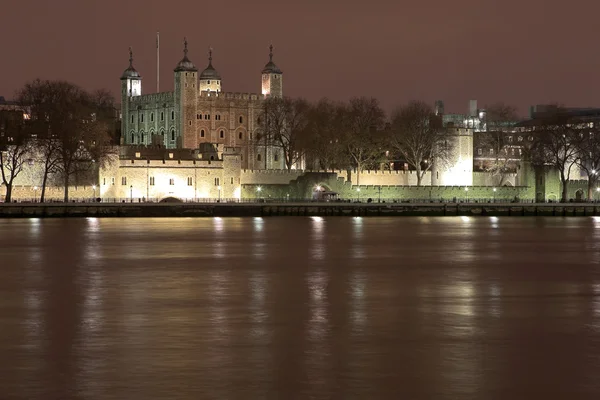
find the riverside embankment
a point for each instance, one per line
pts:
(152, 210)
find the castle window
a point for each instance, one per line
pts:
(212, 158)
(232, 180)
(241, 135)
(189, 180)
(142, 137)
(132, 138)
(510, 139)
(124, 181)
(221, 134)
(141, 117)
(151, 181)
(241, 157)
(112, 181)
(104, 181)
(190, 123)
(276, 157)
(197, 116)
(208, 82)
(173, 135)
(202, 133)
(171, 181)
(241, 120)
(162, 116)
(132, 119)
(491, 152)
(479, 151)
(258, 121)
(258, 157)
(172, 114)
(216, 181)
(151, 117)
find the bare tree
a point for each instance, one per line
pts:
(325, 133)
(497, 120)
(72, 127)
(556, 144)
(363, 125)
(417, 136)
(589, 156)
(15, 149)
(284, 124)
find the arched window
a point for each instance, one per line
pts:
(142, 137)
(241, 135)
(241, 119)
(173, 135)
(162, 116)
(258, 157)
(141, 117)
(222, 134)
(172, 114)
(132, 138)
(151, 117)
(202, 133)
(132, 118)
(276, 157)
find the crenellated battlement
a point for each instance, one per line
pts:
(173, 163)
(232, 95)
(152, 98)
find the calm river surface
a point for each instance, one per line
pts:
(300, 308)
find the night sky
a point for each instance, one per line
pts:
(522, 52)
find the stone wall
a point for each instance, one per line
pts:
(53, 193)
(397, 193)
(488, 179)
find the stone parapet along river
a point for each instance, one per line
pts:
(122, 210)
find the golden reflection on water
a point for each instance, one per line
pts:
(310, 307)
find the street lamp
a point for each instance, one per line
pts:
(131, 193)
(494, 190)
(219, 187)
(467, 194)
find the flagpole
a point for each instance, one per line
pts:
(157, 62)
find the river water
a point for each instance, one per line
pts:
(300, 308)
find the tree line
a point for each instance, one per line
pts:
(353, 135)
(67, 130)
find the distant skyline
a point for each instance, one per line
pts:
(519, 52)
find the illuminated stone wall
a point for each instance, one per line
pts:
(150, 119)
(457, 170)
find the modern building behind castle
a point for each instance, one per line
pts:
(200, 112)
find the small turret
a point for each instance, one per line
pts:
(185, 65)
(272, 78)
(210, 80)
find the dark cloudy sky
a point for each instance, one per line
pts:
(521, 52)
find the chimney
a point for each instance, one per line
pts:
(439, 107)
(472, 108)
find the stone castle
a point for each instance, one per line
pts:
(199, 112)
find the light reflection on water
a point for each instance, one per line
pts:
(309, 307)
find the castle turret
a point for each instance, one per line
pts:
(131, 85)
(210, 80)
(272, 78)
(183, 133)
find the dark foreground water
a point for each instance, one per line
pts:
(300, 308)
